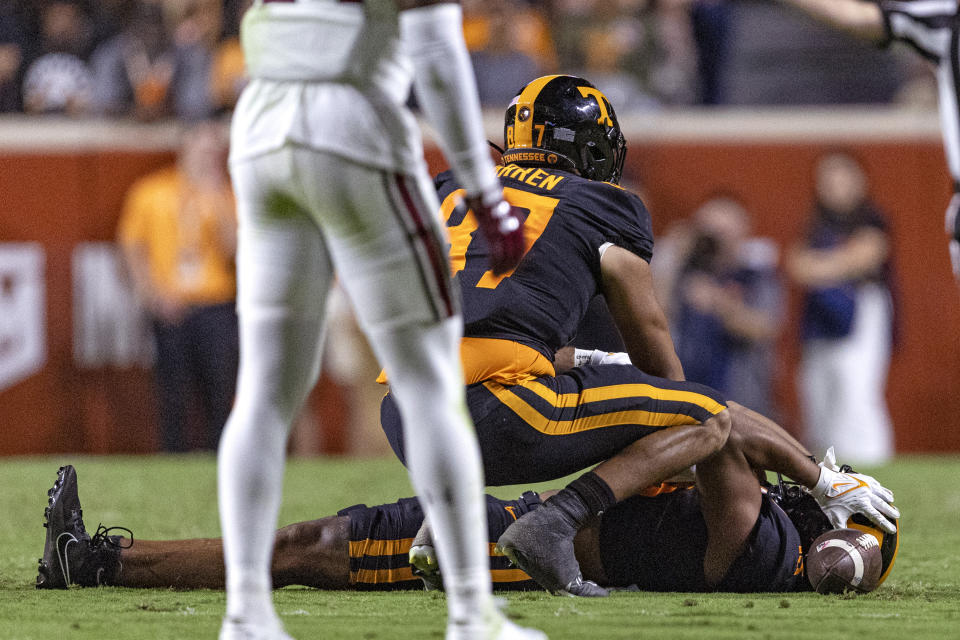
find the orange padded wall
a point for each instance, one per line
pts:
(60, 199)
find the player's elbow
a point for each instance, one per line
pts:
(737, 438)
(716, 430)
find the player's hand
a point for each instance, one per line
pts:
(502, 226)
(840, 495)
(830, 462)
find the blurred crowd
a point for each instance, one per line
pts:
(147, 59)
(154, 59)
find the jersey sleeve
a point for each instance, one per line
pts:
(619, 217)
(445, 183)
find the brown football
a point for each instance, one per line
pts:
(844, 560)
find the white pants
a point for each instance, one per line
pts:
(843, 382)
(303, 215)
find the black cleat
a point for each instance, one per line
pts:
(541, 544)
(70, 555)
(63, 519)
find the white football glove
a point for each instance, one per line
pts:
(830, 461)
(840, 495)
(582, 357)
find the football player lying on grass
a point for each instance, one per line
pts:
(727, 532)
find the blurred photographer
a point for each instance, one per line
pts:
(725, 303)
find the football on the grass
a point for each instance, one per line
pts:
(844, 560)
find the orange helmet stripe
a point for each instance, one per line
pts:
(523, 130)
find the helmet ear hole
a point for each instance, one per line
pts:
(588, 164)
(595, 152)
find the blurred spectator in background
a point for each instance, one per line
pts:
(725, 301)
(109, 17)
(150, 72)
(58, 80)
(196, 27)
(641, 48)
(178, 235)
(604, 52)
(711, 22)
(505, 37)
(134, 69)
(13, 40)
(11, 57)
(673, 75)
(228, 75)
(779, 57)
(843, 266)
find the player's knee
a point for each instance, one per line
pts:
(291, 538)
(316, 538)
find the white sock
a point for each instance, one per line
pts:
(443, 457)
(249, 599)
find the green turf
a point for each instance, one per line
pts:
(161, 497)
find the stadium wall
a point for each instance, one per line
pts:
(71, 381)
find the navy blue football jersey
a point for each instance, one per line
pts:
(659, 543)
(567, 220)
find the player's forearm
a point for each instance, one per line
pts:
(860, 256)
(768, 446)
(447, 91)
(653, 347)
(630, 295)
(856, 17)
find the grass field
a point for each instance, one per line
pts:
(174, 497)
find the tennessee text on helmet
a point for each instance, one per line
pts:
(564, 122)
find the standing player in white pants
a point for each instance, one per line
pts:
(843, 380)
(932, 28)
(329, 173)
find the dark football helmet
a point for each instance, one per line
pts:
(810, 521)
(567, 123)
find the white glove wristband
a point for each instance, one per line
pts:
(582, 357)
(823, 483)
